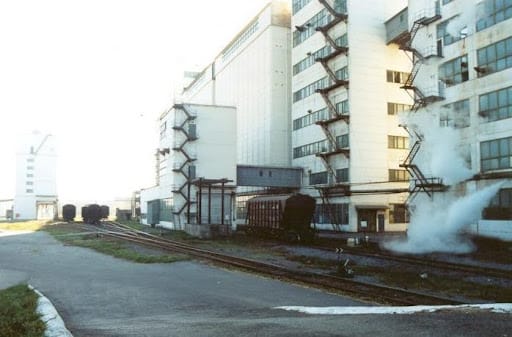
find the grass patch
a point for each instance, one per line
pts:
(18, 316)
(31, 225)
(70, 235)
(450, 286)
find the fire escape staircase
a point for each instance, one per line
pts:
(419, 181)
(424, 17)
(332, 187)
(182, 190)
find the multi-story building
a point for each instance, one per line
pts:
(345, 99)
(462, 80)
(196, 168)
(252, 73)
(36, 178)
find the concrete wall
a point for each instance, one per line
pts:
(254, 78)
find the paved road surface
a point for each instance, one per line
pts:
(98, 295)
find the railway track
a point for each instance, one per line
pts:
(362, 290)
(431, 263)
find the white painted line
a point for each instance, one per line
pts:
(494, 307)
(55, 326)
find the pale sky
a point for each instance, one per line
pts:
(97, 74)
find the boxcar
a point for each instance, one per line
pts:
(283, 216)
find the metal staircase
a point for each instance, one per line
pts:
(419, 182)
(183, 168)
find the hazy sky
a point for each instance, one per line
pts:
(97, 74)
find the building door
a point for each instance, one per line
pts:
(366, 220)
(380, 220)
(153, 212)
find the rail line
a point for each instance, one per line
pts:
(431, 263)
(362, 290)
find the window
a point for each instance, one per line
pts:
(310, 119)
(443, 34)
(311, 89)
(342, 107)
(340, 6)
(29, 190)
(163, 128)
(342, 74)
(398, 142)
(331, 214)
(495, 12)
(244, 37)
(393, 76)
(342, 141)
(30, 175)
(342, 175)
(495, 57)
(319, 178)
(30, 160)
(30, 183)
(398, 175)
(454, 71)
(396, 108)
(455, 115)
(500, 207)
(166, 209)
(496, 105)
(298, 4)
(398, 213)
(496, 154)
(310, 149)
(309, 27)
(30, 168)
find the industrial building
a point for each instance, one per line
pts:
(36, 178)
(196, 168)
(462, 81)
(233, 124)
(346, 98)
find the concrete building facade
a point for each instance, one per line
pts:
(36, 178)
(196, 168)
(345, 99)
(462, 82)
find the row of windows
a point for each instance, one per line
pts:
(396, 108)
(244, 37)
(398, 142)
(496, 154)
(310, 149)
(304, 64)
(319, 115)
(331, 214)
(496, 11)
(310, 119)
(341, 74)
(393, 76)
(398, 175)
(319, 178)
(448, 38)
(455, 115)
(454, 71)
(297, 5)
(309, 28)
(311, 89)
(495, 57)
(496, 105)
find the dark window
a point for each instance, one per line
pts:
(454, 71)
(397, 76)
(496, 105)
(500, 207)
(455, 115)
(495, 57)
(398, 214)
(331, 214)
(495, 12)
(398, 175)
(496, 154)
(319, 178)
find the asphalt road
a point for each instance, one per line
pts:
(98, 295)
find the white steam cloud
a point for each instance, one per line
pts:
(463, 24)
(436, 225)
